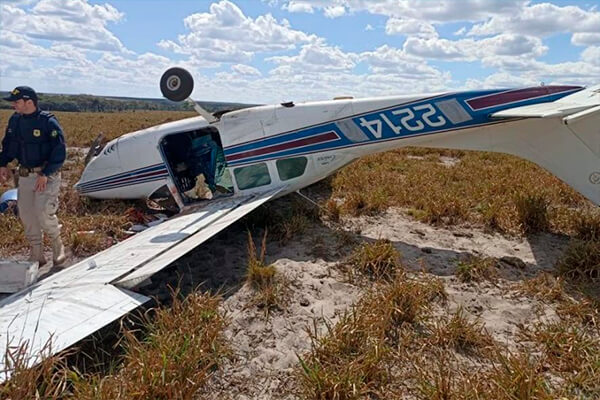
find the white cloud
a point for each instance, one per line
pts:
(225, 34)
(432, 11)
(586, 39)
(78, 11)
(492, 17)
(461, 31)
(473, 50)
(408, 26)
(369, 27)
(591, 55)
(245, 70)
(298, 7)
(541, 20)
(535, 72)
(386, 60)
(316, 56)
(71, 21)
(500, 80)
(334, 11)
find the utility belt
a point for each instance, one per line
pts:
(24, 171)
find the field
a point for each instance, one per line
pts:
(424, 274)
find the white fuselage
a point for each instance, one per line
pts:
(328, 135)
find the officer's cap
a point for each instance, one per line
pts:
(22, 92)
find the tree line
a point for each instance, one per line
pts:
(90, 103)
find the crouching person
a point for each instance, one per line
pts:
(36, 140)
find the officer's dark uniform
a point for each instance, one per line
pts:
(36, 140)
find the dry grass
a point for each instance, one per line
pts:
(179, 349)
(587, 225)
(269, 287)
(566, 346)
(518, 376)
(532, 211)
(82, 127)
(170, 355)
(377, 260)
(508, 194)
(351, 360)
(544, 287)
(46, 380)
(459, 333)
(88, 226)
(581, 261)
(477, 269)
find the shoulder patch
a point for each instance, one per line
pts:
(54, 133)
(46, 114)
(37, 133)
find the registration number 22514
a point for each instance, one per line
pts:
(409, 119)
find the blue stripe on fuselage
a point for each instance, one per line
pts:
(421, 117)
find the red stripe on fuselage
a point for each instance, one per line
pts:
(516, 95)
(324, 137)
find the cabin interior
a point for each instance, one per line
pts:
(197, 164)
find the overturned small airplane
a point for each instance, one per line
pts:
(249, 156)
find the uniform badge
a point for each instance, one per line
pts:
(37, 133)
(54, 133)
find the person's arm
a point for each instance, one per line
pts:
(7, 153)
(58, 154)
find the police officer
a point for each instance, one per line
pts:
(35, 138)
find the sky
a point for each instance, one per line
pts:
(270, 51)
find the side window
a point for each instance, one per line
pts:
(291, 167)
(252, 176)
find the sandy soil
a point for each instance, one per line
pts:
(266, 344)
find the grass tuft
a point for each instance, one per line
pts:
(477, 269)
(580, 261)
(532, 212)
(378, 260)
(46, 380)
(460, 334)
(269, 288)
(544, 287)
(587, 226)
(519, 376)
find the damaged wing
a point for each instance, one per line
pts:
(74, 303)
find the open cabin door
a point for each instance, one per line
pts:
(197, 167)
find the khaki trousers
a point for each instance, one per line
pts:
(37, 210)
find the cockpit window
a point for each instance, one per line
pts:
(252, 176)
(291, 167)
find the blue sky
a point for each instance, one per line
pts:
(279, 50)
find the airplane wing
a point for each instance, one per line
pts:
(572, 104)
(74, 303)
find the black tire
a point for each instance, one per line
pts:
(176, 84)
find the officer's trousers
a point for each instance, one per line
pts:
(37, 210)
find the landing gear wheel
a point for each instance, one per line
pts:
(176, 84)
